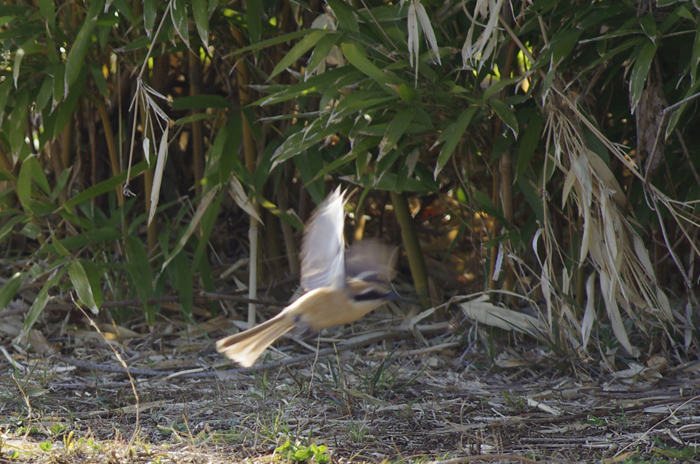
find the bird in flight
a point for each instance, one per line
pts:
(341, 284)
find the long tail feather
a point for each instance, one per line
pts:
(246, 347)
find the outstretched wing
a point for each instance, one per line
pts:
(323, 245)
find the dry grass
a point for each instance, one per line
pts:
(428, 395)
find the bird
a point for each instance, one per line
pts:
(341, 284)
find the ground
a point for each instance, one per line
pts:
(430, 392)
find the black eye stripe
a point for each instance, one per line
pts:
(372, 294)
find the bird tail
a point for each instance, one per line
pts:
(246, 347)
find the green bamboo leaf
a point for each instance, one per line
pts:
(90, 237)
(396, 129)
(8, 227)
(99, 79)
(125, 10)
(141, 275)
(63, 113)
(638, 77)
(105, 186)
(200, 11)
(451, 137)
(10, 289)
(150, 8)
(180, 274)
(648, 26)
(40, 301)
(193, 118)
(18, 120)
(38, 175)
(497, 86)
(303, 46)
(58, 247)
(48, 12)
(204, 204)
(225, 149)
(272, 42)
(30, 230)
(505, 112)
(79, 279)
(254, 14)
(695, 57)
(24, 182)
(357, 57)
(529, 142)
(564, 43)
(45, 93)
(94, 275)
(178, 14)
(345, 15)
(309, 86)
(292, 219)
(200, 102)
(532, 196)
(206, 227)
(76, 56)
(5, 91)
(59, 81)
(321, 51)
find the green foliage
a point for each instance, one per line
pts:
(521, 120)
(301, 453)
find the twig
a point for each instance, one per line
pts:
(242, 370)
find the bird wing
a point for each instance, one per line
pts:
(323, 245)
(371, 260)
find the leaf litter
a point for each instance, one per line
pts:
(381, 389)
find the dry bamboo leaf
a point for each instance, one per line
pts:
(413, 35)
(589, 313)
(427, 30)
(539, 405)
(605, 177)
(158, 174)
(608, 289)
(657, 363)
(481, 310)
(239, 195)
(642, 254)
(40, 344)
(120, 332)
(481, 50)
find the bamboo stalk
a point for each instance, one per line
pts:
(195, 77)
(250, 159)
(111, 146)
(413, 250)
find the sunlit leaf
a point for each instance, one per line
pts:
(356, 55)
(303, 46)
(79, 279)
(452, 135)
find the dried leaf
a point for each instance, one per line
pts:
(481, 310)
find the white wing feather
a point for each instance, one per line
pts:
(323, 245)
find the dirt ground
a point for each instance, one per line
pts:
(377, 392)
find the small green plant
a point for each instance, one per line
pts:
(57, 429)
(301, 453)
(358, 431)
(515, 401)
(45, 446)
